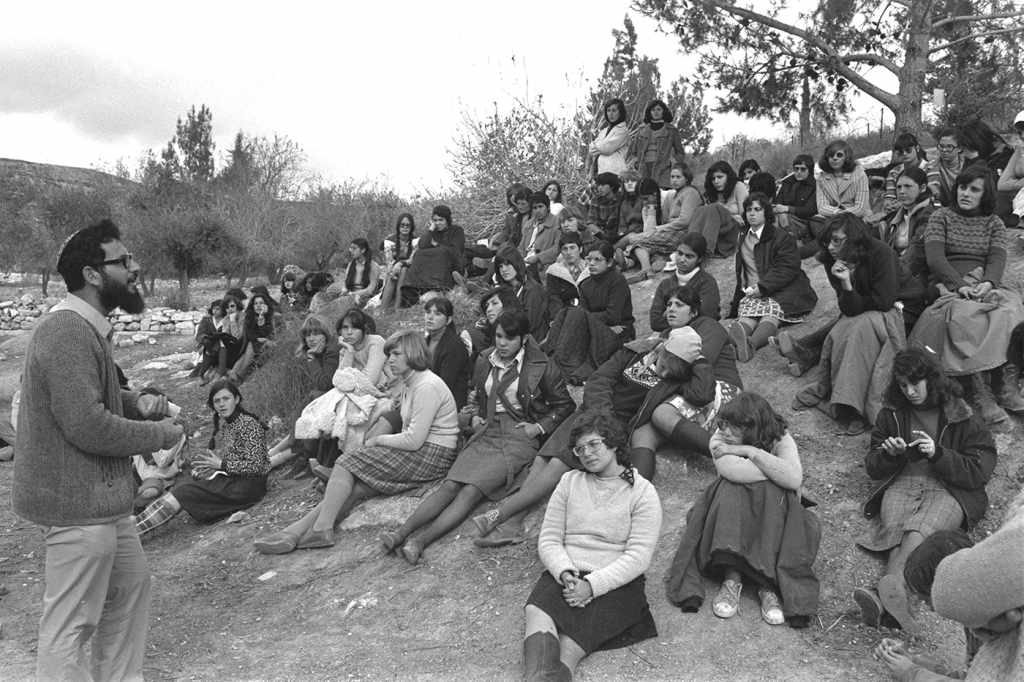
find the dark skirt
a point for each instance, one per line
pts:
(210, 500)
(493, 458)
(559, 443)
(758, 529)
(579, 343)
(614, 620)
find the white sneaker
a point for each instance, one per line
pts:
(727, 601)
(771, 607)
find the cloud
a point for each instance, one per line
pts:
(104, 99)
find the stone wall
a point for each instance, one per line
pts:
(22, 313)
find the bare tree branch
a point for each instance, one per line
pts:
(976, 36)
(976, 17)
(887, 98)
(874, 59)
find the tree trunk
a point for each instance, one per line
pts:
(184, 280)
(914, 70)
(45, 279)
(805, 112)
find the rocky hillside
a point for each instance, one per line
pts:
(16, 173)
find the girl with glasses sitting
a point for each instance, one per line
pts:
(843, 185)
(599, 533)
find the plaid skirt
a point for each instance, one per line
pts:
(704, 417)
(761, 306)
(390, 471)
(914, 502)
(663, 241)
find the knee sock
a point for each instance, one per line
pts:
(764, 331)
(159, 512)
(689, 436)
(643, 461)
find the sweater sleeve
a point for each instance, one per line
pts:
(423, 406)
(998, 244)
(935, 251)
(247, 452)
(689, 201)
(375, 360)
(658, 304)
(76, 394)
(612, 140)
(551, 541)
(645, 527)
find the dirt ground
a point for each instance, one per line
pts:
(223, 612)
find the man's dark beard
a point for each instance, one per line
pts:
(114, 294)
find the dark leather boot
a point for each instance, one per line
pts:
(541, 662)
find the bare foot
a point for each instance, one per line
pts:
(390, 540)
(894, 656)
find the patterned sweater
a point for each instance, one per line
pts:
(241, 445)
(955, 244)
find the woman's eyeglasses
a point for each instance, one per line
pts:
(591, 445)
(837, 155)
(799, 169)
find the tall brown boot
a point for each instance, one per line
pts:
(541, 661)
(985, 400)
(1004, 384)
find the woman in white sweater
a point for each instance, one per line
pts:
(611, 142)
(597, 539)
(420, 450)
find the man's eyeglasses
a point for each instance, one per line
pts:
(591, 445)
(124, 260)
(947, 147)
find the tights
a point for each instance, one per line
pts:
(444, 510)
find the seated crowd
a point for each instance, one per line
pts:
(924, 350)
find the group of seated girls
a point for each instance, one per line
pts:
(487, 413)
(234, 333)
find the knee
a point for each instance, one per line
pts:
(664, 418)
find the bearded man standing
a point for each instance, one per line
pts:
(77, 431)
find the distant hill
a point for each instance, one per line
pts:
(48, 178)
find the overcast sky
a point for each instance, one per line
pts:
(368, 89)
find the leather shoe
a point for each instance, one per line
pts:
(275, 543)
(316, 539)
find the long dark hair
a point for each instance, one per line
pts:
(754, 416)
(910, 366)
(611, 430)
(623, 116)
(971, 172)
(920, 178)
(855, 250)
(836, 146)
(230, 386)
(710, 193)
(399, 254)
(251, 324)
(350, 272)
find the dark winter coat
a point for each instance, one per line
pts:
(779, 275)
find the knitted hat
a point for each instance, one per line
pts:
(684, 343)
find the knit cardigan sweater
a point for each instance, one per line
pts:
(605, 526)
(77, 430)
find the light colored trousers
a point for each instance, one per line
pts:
(98, 591)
